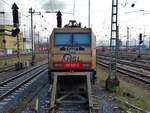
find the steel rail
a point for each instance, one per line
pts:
(20, 75)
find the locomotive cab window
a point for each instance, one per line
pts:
(81, 39)
(72, 39)
(63, 39)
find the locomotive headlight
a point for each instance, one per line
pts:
(58, 65)
(86, 65)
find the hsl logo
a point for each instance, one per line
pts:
(70, 58)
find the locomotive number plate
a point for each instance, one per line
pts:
(72, 65)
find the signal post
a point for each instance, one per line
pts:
(15, 33)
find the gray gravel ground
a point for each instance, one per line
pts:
(107, 103)
(43, 102)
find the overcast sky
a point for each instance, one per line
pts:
(136, 18)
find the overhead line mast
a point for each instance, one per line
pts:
(74, 5)
(89, 13)
(112, 81)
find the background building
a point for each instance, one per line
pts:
(8, 43)
(27, 45)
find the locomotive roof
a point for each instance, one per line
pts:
(72, 30)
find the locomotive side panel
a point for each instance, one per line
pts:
(93, 52)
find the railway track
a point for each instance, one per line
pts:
(76, 107)
(15, 85)
(7, 68)
(144, 65)
(73, 109)
(13, 68)
(134, 72)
